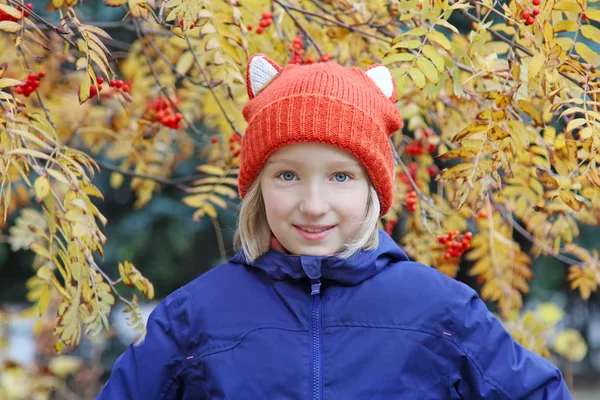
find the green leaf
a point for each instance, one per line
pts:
(417, 77)
(434, 55)
(407, 44)
(428, 69)
(399, 57)
(439, 38)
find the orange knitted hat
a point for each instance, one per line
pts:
(325, 102)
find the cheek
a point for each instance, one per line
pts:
(277, 205)
(353, 207)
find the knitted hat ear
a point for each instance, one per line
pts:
(261, 69)
(384, 80)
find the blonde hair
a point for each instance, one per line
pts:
(253, 235)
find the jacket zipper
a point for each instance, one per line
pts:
(316, 340)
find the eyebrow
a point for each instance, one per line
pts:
(339, 164)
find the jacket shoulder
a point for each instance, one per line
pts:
(405, 295)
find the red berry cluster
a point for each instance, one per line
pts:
(422, 145)
(119, 84)
(265, 22)
(297, 53)
(389, 226)
(182, 22)
(529, 16)
(94, 90)
(32, 83)
(235, 144)
(418, 147)
(5, 17)
(455, 243)
(161, 111)
(411, 202)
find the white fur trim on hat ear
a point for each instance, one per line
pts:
(383, 78)
(261, 70)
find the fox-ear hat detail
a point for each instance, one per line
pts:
(347, 107)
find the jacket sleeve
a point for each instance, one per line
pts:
(148, 371)
(492, 365)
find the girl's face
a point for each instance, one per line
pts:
(315, 197)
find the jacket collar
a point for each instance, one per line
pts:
(361, 266)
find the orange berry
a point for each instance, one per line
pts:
(249, 27)
(260, 30)
(267, 15)
(482, 214)
(468, 236)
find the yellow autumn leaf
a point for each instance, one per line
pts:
(571, 345)
(550, 313)
(591, 32)
(84, 89)
(588, 54)
(567, 5)
(42, 187)
(64, 365)
(10, 26)
(43, 302)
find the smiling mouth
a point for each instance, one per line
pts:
(314, 230)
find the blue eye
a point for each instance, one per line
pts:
(287, 176)
(341, 177)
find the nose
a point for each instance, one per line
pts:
(314, 201)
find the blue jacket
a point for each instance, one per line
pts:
(376, 326)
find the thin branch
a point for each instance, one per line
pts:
(220, 240)
(61, 33)
(338, 23)
(132, 174)
(203, 71)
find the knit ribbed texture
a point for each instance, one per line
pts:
(325, 103)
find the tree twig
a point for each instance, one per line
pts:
(203, 71)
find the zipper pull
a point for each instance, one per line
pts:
(315, 287)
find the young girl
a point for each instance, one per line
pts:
(319, 303)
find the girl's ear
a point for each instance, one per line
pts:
(384, 80)
(261, 69)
